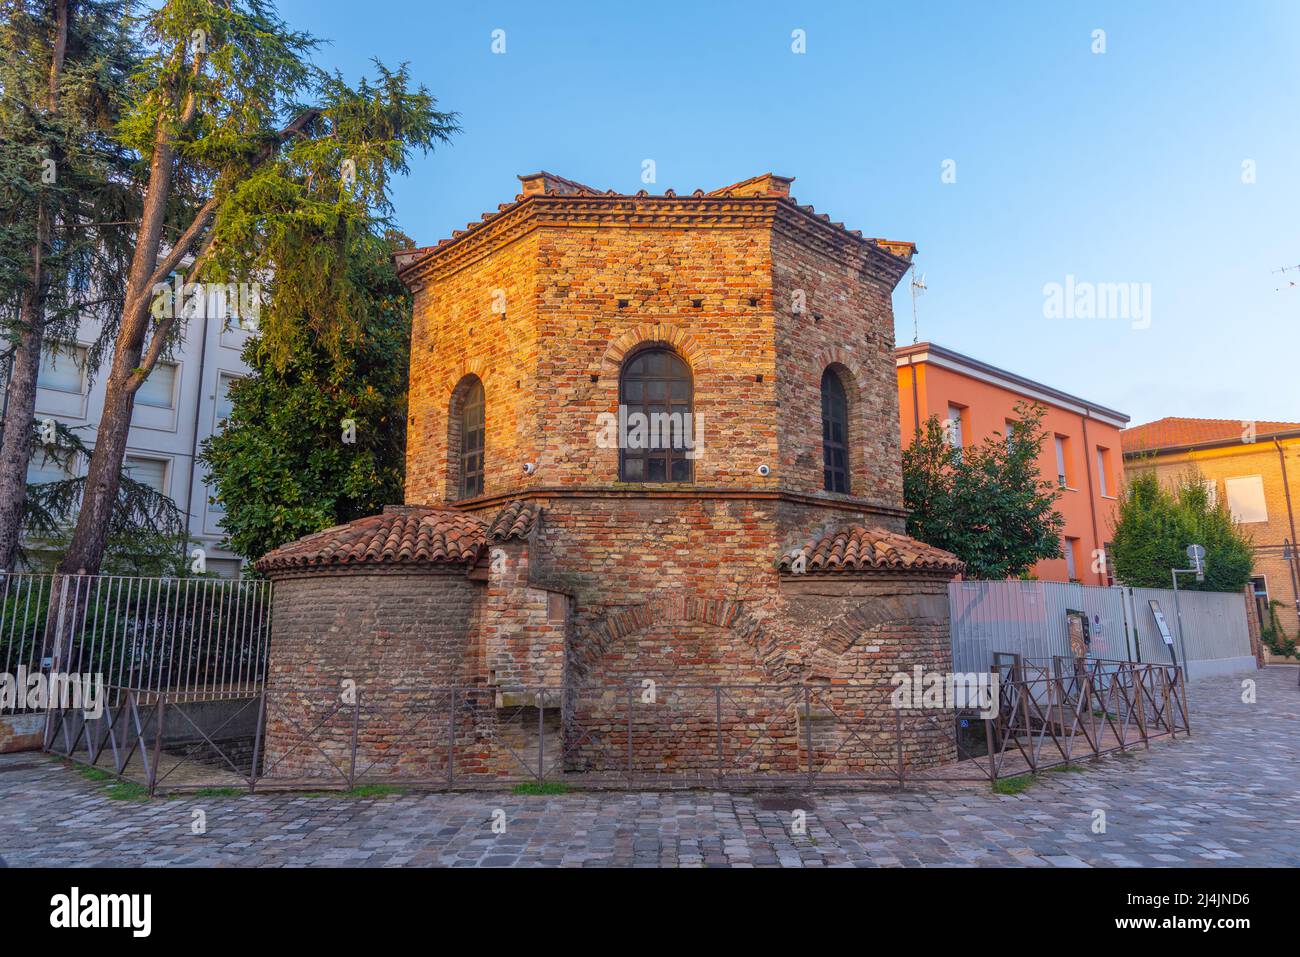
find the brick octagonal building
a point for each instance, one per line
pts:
(539, 549)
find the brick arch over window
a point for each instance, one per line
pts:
(844, 366)
(611, 364)
(466, 454)
(836, 475)
(656, 381)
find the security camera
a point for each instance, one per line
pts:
(764, 470)
(529, 468)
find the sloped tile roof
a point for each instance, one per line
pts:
(859, 548)
(516, 520)
(544, 184)
(404, 535)
(1173, 432)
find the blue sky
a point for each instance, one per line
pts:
(1120, 167)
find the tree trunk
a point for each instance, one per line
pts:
(21, 408)
(14, 450)
(85, 552)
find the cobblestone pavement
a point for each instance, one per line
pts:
(1228, 796)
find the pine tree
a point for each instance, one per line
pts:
(64, 199)
(254, 185)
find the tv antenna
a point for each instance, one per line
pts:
(1290, 283)
(918, 287)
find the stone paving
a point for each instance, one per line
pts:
(1228, 796)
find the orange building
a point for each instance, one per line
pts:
(1083, 455)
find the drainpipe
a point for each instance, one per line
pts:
(916, 402)
(1088, 452)
(1290, 516)
(194, 438)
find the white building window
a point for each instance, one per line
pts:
(42, 469)
(1060, 460)
(152, 472)
(1101, 471)
(159, 390)
(1211, 491)
(63, 371)
(224, 406)
(1070, 545)
(1246, 498)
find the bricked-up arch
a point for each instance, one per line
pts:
(468, 393)
(596, 639)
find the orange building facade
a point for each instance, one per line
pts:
(1082, 453)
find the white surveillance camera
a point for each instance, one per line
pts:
(764, 470)
(529, 468)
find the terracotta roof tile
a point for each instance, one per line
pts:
(1173, 432)
(549, 185)
(418, 536)
(871, 549)
(405, 535)
(516, 520)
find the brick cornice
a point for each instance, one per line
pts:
(838, 502)
(516, 220)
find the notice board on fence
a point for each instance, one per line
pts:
(1160, 621)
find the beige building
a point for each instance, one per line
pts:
(1255, 468)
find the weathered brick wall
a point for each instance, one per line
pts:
(584, 282)
(454, 334)
(524, 627)
(397, 635)
(833, 310)
(676, 583)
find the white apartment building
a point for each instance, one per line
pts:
(182, 403)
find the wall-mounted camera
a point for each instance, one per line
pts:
(764, 470)
(529, 468)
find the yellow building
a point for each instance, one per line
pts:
(1255, 467)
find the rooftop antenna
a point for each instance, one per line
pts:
(918, 287)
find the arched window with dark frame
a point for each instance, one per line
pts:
(473, 419)
(835, 434)
(655, 393)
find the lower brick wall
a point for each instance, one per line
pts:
(397, 635)
(401, 635)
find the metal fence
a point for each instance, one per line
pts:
(711, 736)
(1029, 618)
(198, 637)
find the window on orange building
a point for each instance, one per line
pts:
(1103, 469)
(1071, 558)
(952, 426)
(1061, 459)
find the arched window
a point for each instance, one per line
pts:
(835, 434)
(472, 421)
(654, 394)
